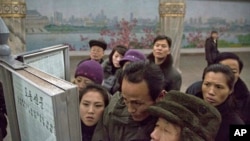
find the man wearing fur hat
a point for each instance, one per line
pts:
(183, 117)
(97, 49)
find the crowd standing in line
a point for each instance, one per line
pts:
(133, 97)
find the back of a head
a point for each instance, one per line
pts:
(137, 72)
(198, 120)
(214, 32)
(229, 55)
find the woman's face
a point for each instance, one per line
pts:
(91, 107)
(215, 89)
(116, 58)
(165, 131)
(82, 82)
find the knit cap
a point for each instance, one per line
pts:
(90, 69)
(132, 55)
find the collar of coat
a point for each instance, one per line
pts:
(240, 90)
(166, 65)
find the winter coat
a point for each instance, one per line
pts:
(211, 50)
(87, 132)
(111, 76)
(240, 96)
(118, 125)
(3, 119)
(101, 61)
(173, 78)
(229, 117)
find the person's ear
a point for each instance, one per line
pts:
(161, 95)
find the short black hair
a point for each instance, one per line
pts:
(163, 37)
(98, 88)
(228, 73)
(228, 55)
(120, 49)
(212, 32)
(151, 73)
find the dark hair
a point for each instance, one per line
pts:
(214, 32)
(98, 88)
(228, 73)
(163, 37)
(228, 55)
(151, 73)
(121, 50)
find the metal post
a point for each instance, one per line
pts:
(4, 35)
(172, 14)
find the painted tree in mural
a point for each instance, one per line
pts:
(197, 39)
(124, 35)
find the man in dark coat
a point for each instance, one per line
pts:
(161, 56)
(126, 118)
(211, 48)
(97, 49)
(3, 120)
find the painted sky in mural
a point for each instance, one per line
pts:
(82, 8)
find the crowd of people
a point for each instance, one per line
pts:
(133, 97)
(145, 102)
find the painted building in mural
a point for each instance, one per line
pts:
(136, 23)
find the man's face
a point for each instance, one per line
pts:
(96, 53)
(234, 66)
(215, 36)
(161, 49)
(137, 99)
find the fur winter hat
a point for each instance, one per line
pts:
(197, 119)
(98, 43)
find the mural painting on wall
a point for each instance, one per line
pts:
(75, 22)
(229, 18)
(131, 23)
